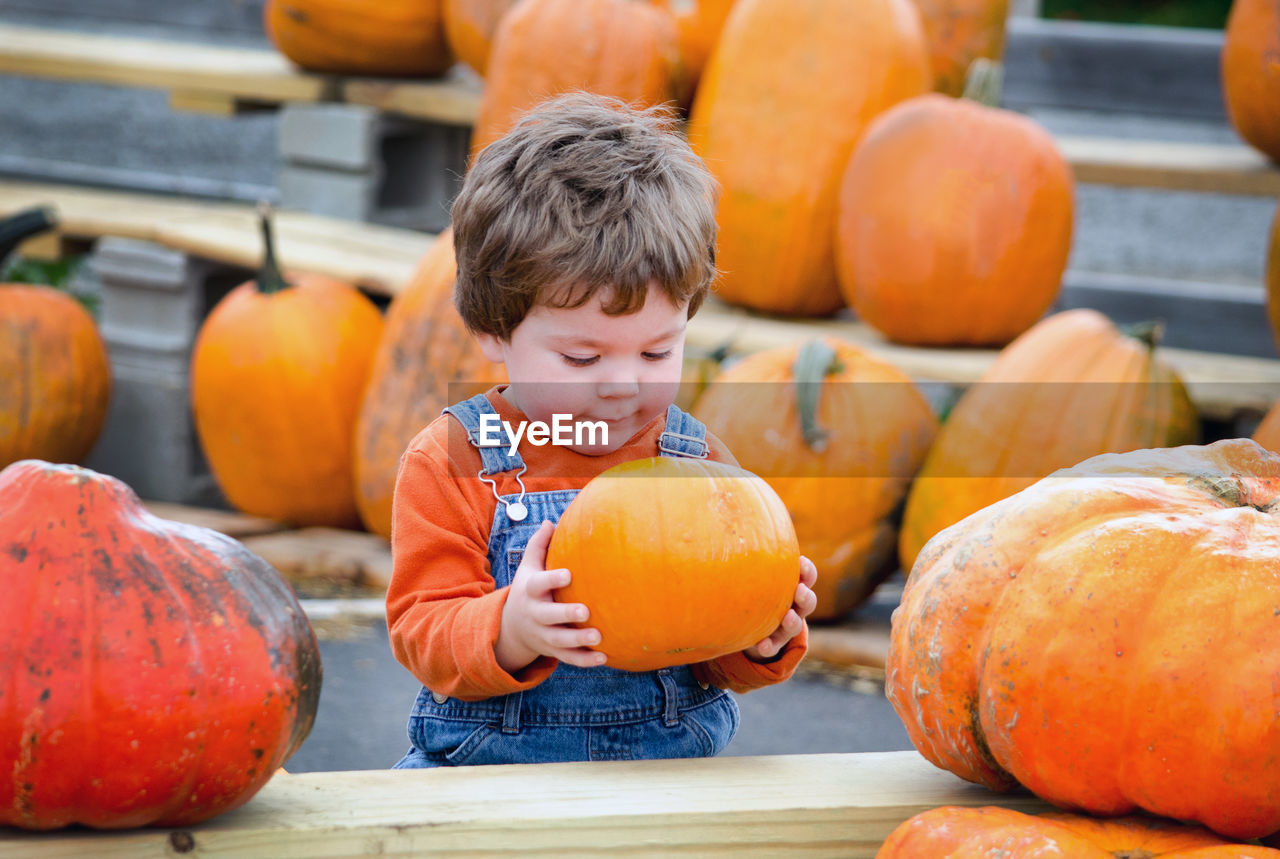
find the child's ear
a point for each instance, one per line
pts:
(493, 347)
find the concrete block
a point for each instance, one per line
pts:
(330, 135)
(334, 193)
(153, 300)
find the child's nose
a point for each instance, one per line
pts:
(618, 384)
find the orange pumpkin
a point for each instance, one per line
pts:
(677, 560)
(1251, 73)
(959, 32)
(778, 134)
(838, 434)
(426, 359)
(954, 223)
(1071, 387)
(699, 23)
(1107, 638)
(621, 48)
(470, 25)
(1267, 432)
(952, 832)
(1273, 276)
(57, 380)
(153, 672)
(390, 37)
(277, 374)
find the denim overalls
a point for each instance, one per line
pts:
(576, 714)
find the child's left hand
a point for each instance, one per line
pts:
(802, 606)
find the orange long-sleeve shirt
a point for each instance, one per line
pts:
(443, 609)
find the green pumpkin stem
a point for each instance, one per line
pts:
(22, 225)
(1149, 332)
(984, 82)
(269, 277)
(815, 361)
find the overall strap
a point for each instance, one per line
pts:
(684, 435)
(494, 454)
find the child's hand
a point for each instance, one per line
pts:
(534, 624)
(793, 621)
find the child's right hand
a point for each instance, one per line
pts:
(534, 624)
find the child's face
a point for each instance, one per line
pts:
(623, 370)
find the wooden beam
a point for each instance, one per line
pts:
(833, 804)
(1167, 165)
(452, 100)
(252, 74)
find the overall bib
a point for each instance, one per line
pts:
(576, 714)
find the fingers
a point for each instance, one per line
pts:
(539, 585)
(535, 551)
(805, 600)
(557, 614)
(808, 572)
(788, 629)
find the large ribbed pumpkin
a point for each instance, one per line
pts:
(621, 48)
(789, 89)
(954, 223)
(699, 23)
(1108, 638)
(1072, 387)
(278, 371)
(838, 434)
(426, 360)
(1251, 73)
(678, 560)
(952, 832)
(151, 672)
(470, 25)
(1273, 277)
(958, 32)
(389, 37)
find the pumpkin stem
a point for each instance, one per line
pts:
(269, 277)
(814, 362)
(1149, 333)
(984, 82)
(22, 225)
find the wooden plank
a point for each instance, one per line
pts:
(816, 805)
(1223, 387)
(328, 554)
(452, 100)
(1172, 166)
(249, 73)
(855, 643)
(374, 257)
(238, 525)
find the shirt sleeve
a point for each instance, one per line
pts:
(443, 609)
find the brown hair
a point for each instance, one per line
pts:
(584, 193)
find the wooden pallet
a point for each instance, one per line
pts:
(814, 805)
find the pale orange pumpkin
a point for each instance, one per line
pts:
(1251, 73)
(699, 23)
(1273, 276)
(390, 37)
(621, 48)
(426, 359)
(1107, 638)
(954, 222)
(470, 25)
(678, 560)
(952, 832)
(959, 32)
(277, 374)
(1071, 387)
(838, 434)
(786, 94)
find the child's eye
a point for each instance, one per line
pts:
(574, 361)
(657, 356)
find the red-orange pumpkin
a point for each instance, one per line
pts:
(1251, 73)
(277, 375)
(959, 32)
(621, 48)
(954, 223)
(1071, 387)
(426, 360)
(786, 94)
(952, 832)
(677, 560)
(1267, 432)
(390, 37)
(151, 672)
(838, 434)
(699, 23)
(1108, 639)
